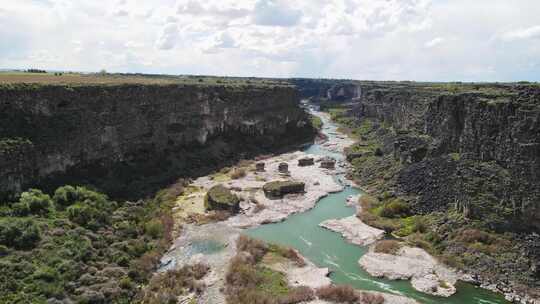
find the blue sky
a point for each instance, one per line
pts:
(480, 40)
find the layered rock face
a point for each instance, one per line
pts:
(129, 139)
(476, 149)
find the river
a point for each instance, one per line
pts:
(328, 249)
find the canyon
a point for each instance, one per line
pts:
(452, 168)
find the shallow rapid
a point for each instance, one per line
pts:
(328, 249)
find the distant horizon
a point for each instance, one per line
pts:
(265, 77)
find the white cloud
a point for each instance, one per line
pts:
(523, 33)
(434, 42)
(364, 39)
(168, 37)
(121, 13)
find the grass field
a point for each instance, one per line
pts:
(118, 79)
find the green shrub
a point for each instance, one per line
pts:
(33, 201)
(87, 216)
(46, 273)
(19, 233)
(65, 196)
(394, 209)
(154, 228)
(3, 250)
(412, 225)
(80, 214)
(126, 283)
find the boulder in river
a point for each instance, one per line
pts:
(259, 167)
(277, 189)
(328, 163)
(306, 161)
(221, 198)
(283, 168)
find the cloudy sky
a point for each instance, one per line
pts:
(440, 40)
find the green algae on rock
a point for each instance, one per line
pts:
(277, 189)
(221, 198)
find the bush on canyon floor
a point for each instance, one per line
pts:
(34, 202)
(84, 247)
(167, 286)
(387, 246)
(249, 280)
(297, 295)
(238, 173)
(338, 294)
(394, 208)
(256, 248)
(20, 234)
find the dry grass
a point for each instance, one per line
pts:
(167, 286)
(258, 208)
(257, 249)
(121, 79)
(473, 236)
(294, 256)
(387, 246)
(238, 173)
(338, 294)
(367, 202)
(371, 298)
(298, 295)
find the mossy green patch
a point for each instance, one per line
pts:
(273, 283)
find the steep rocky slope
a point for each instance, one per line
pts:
(127, 140)
(477, 148)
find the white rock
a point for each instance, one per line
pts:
(354, 230)
(426, 273)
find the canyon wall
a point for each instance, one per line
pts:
(476, 148)
(128, 140)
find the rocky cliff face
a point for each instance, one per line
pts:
(327, 90)
(475, 148)
(129, 139)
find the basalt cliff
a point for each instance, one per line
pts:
(128, 140)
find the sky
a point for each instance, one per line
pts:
(423, 40)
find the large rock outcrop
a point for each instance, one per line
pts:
(128, 140)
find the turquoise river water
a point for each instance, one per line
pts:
(328, 249)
